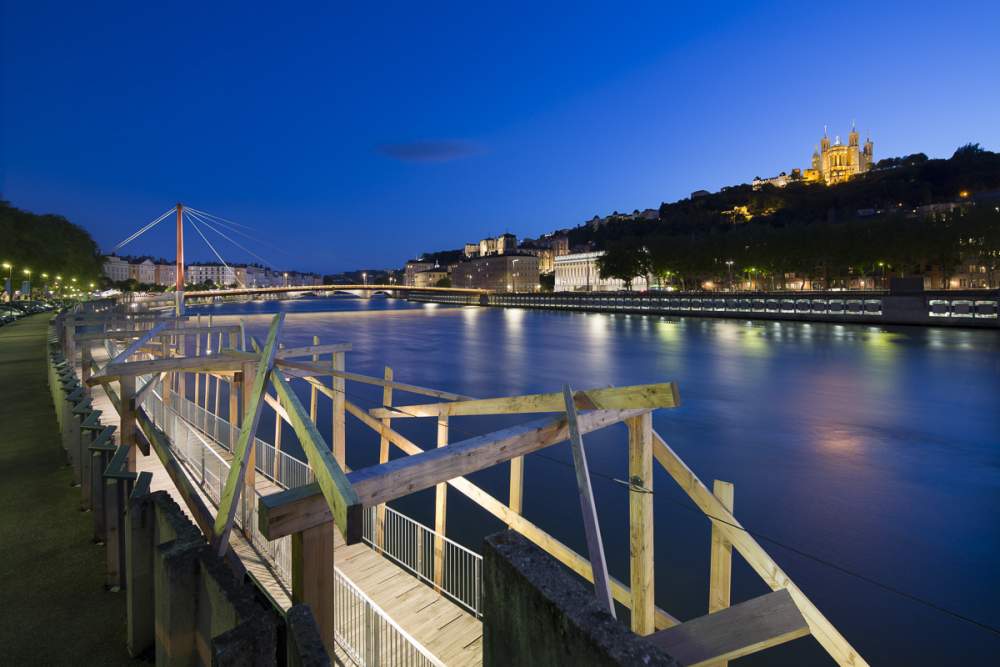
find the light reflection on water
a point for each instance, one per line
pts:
(876, 448)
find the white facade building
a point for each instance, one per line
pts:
(116, 268)
(220, 275)
(143, 272)
(166, 274)
(578, 272)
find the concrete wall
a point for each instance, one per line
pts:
(947, 309)
(536, 612)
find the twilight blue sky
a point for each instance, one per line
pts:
(361, 136)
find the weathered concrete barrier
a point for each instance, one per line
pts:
(536, 612)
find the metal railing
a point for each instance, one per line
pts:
(368, 635)
(410, 544)
(363, 630)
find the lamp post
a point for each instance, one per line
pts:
(729, 264)
(10, 280)
(27, 272)
(364, 278)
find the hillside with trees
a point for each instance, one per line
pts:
(47, 243)
(907, 216)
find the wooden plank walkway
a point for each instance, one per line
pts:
(444, 628)
(450, 633)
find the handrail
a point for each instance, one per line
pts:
(353, 589)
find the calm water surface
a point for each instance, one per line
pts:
(876, 449)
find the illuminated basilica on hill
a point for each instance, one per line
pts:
(831, 163)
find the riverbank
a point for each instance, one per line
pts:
(56, 610)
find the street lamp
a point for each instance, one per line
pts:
(729, 263)
(10, 278)
(27, 272)
(364, 278)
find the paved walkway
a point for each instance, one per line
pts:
(55, 610)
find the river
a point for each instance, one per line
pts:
(874, 450)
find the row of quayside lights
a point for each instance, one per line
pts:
(58, 278)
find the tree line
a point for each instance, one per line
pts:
(46, 243)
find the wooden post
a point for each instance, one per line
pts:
(234, 409)
(383, 454)
(440, 509)
(339, 386)
(313, 577)
(217, 389)
(126, 427)
(277, 433)
(181, 377)
(169, 378)
(640, 470)
(516, 498)
(720, 577)
(313, 393)
(197, 353)
(86, 355)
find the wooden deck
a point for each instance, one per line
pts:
(453, 635)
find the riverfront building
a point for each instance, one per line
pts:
(413, 267)
(500, 273)
(578, 272)
(429, 277)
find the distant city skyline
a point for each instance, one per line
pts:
(353, 141)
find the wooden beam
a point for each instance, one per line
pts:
(137, 344)
(343, 502)
(640, 524)
(318, 370)
(314, 350)
(591, 525)
(740, 630)
(663, 395)
(766, 568)
(241, 458)
(214, 363)
(721, 558)
(295, 510)
(379, 484)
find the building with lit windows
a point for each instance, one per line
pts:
(578, 272)
(499, 273)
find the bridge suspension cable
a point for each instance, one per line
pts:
(205, 222)
(212, 247)
(235, 228)
(143, 230)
